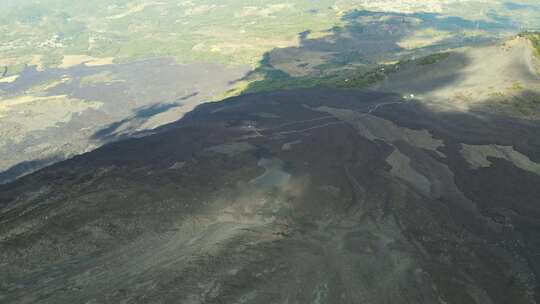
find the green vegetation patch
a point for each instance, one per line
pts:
(534, 37)
(525, 106)
(434, 58)
(232, 31)
(358, 77)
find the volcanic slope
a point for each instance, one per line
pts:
(302, 196)
(501, 78)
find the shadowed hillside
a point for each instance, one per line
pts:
(353, 55)
(393, 159)
(335, 196)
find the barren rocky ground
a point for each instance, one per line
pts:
(303, 196)
(50, 115)
(374, 152)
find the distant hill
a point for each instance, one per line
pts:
(501, 78)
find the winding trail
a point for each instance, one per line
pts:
(298, 122)
(369, 112)
(311, 128)
(380, 105)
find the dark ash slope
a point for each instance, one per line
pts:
(308, 196)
